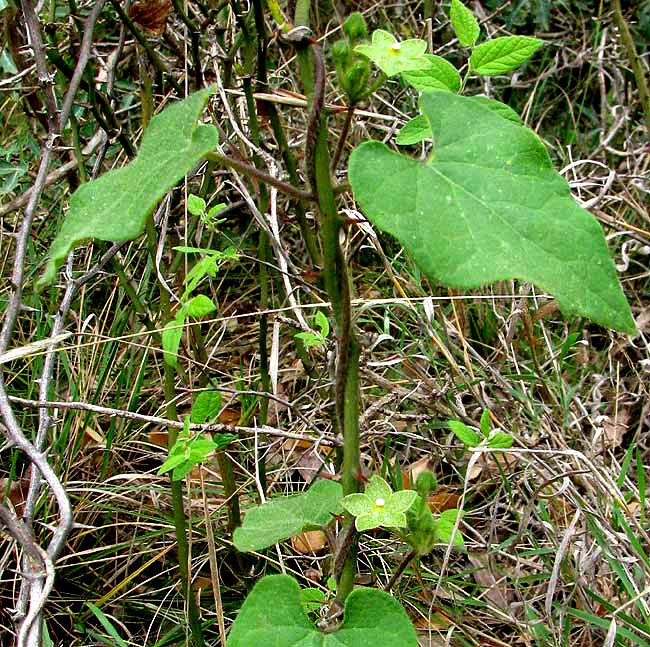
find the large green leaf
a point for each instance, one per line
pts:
(115, 206)
(488, 206)
(273, 616)
(284, 517)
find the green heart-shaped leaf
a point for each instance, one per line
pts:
(273, 616)
(285, 517)
(115, 206)
(488, 206)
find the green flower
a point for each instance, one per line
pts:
(379, 506)
(394, 57)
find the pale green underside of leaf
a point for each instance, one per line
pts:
(273, 616)
(500, 55)
(115, 206)
(442, 75)
(489, 206)
(467, 436)
(285, 517)
(445, 526)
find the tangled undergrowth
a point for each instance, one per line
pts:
(557, 550)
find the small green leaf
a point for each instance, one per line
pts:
(116, 205)
(467, 436)
(182, 470)
(200, 305)
(273, 614)
(489, 206)
(312, 599)
(310, 339)
(445, 526)
(464, 23)
(171, 338)
(6, 62)
(107, 624)
(10, 174)
(392, 56)
(323, 323)
(195, 205)
(414, 131)
(200, 447)
(223, 440)
(503, 54)
(284, 517)
(442, 75)
(500, 440)
(485, 425)
(206, 407)
(174, 460)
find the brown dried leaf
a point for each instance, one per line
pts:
(158, 438)
(151, 14)
(309, 542)
(486, 466)
(609, 432)
(442, 499)
(17, 493)
(485, 578)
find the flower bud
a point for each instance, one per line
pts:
(355, 27)
(356, 79)
(340, 52)
(426, 482)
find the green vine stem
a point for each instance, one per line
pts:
(635, 61)
(337, 284)
(193, 616)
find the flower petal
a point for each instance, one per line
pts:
(393, 519)
(400, 501)
(383, 39)
(377, 488)
(413, 48)
(366, 522)
(357, 504)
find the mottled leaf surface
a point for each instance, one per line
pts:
(488, 206)
(115, 206)
(284, 517)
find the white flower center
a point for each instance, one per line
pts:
(395, 47)
(379, 503)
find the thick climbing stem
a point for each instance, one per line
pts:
(337, 284)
